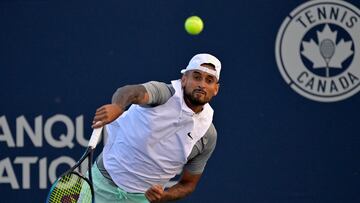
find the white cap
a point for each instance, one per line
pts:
(197, 60)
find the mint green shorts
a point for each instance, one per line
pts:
(107, 192)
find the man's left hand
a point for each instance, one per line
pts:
(155, 193)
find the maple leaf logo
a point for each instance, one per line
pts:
(327, 54)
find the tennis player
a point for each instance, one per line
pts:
(167, 130)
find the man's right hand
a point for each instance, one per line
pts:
(106, 114)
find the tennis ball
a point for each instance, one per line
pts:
(194, 25)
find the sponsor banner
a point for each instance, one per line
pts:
(38, 150)
(317, 50)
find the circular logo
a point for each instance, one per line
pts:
(318, 50)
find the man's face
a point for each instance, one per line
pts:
(199, 87)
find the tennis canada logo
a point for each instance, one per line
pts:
(318, 50)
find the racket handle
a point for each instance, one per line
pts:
(95, 137)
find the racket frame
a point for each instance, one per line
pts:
(88, 154)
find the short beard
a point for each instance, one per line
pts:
(194, 101)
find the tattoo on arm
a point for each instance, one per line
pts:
(130, 94)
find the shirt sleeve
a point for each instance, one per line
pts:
(159, 92)
(197, 164)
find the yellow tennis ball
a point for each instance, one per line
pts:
(194, 25)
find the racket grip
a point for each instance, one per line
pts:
(94, 139)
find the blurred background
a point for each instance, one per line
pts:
(60, 60)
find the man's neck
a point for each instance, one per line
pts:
(194, 108)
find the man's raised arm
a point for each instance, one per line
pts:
(123, 97)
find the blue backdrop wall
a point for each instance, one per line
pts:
(60, 60)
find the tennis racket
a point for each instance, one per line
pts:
(72, 186)
(327, 51)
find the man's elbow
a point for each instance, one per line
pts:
(190, 188)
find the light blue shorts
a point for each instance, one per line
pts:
(107, 192)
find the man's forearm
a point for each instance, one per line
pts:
(177, 191)
(123, 97)
(130, 94)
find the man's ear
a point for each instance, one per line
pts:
(217, 89)
(183, 80)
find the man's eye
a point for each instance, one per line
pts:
(209, 80)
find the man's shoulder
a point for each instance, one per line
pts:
(212, 130)
(159, 92)
(159, 86)
(210, 136)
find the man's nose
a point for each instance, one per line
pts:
(202, 83)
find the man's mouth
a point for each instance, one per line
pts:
(200, 92)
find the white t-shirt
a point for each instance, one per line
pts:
(148, 146)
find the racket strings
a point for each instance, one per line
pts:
(71, 188)
(327, 48)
